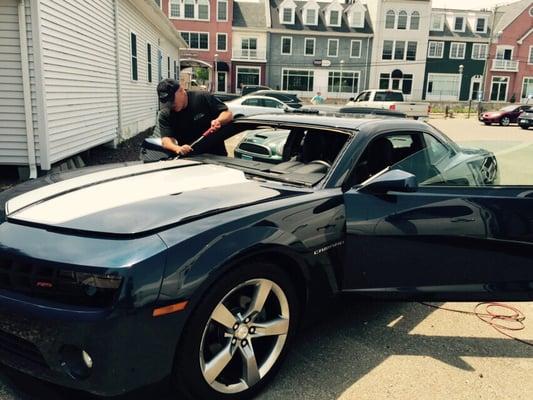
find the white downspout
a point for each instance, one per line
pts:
(25, 65)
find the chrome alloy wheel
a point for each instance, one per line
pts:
(244, 336)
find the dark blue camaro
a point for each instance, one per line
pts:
(201, 268)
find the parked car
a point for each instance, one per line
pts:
(223, 97)
(392, 100)
(504, 116)
(247, 89)
(325, 109)
(290, 99)
(525, 120)
(200, 269)
(252, 105)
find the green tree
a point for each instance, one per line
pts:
(202, 74)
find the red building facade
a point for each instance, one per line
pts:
(206, 26)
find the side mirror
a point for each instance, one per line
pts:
(351, 99)
(390, 180)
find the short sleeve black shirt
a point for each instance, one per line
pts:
(188, 125)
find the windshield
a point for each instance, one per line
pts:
(508, 108)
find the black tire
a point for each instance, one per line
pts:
(487, 123)
(524, 127)
(505, 121)
(188, 378)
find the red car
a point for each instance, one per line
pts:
(504, 116)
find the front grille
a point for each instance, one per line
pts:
(58, 284)
(21, 348)
(254, 148)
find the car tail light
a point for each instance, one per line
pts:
(392, 107)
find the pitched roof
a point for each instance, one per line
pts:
(507, 14)
(448, 33)
(321, 27)
(249, 15)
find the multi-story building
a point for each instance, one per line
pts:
(206, 26)
(319, 47)
(510, 67)
(251, 21)
(457, 53)
(68, 84)
(401, 29)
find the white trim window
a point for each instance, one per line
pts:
(222, 42)
(356, 18)
(287, 15)
(159, 3)
(435, 49)
(459, 24)
(334, 18)
(445, 87)
(301, 80)
(196, 40)
(481, 25)
(189, 9)
(479, 51)
(311, 16)
(286, 45)
(248, 76)
(437, 22)
(414, 23)
(388, 50)
(203, 10)
(347, 83)
(222, 10)
(530, 58)
(498, 88)
(390, 19)
(134, 67)
(309, 46)
(355, 48)
(333, 47)
(174, 8)
(410, 54)
(402, 20)
(457, 50)
(527, 87)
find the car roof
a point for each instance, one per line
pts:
(371, 124)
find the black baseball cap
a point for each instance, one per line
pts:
(166, 89)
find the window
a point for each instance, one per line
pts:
(158, 2)
(355, 49)
(436, 151)
(402, 20)
(390, 20)
(504, 53)
(479, 51)
(531, 12)
(248, 76)
(271, 103)
(188, 9)
(399, 50)
(196, 40)
(435, 49)
(411, 51)
(309, 48)
(222, 10)
(149, 62)
(222, 39)
(287, 16)
(443, 87)
(334, 18)
(357, 19)
(481, 25)
(175, 9)
(530, 58)
(300, 80)
(168, 67)
(415, 21)
(333, 47)
(159, 65)
(203, 9)
(348, 83)
(459, 24)
(249, 47)
(498, 90)
(437, 22)
(384, 81)
(457, 50)
(176, 71)
(387, 50)
(255, 102)
(311, 17)
(133, 50)
(286, 45)
(407, 84)
(527, 88)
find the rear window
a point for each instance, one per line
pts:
(388, 96)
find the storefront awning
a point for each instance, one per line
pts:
(222, 66)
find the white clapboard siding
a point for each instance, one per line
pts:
(79, 71)
(138, 99)
(13, 142)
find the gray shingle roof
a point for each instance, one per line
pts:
(321, 27)
(249, 15)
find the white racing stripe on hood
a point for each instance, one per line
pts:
(127, 190)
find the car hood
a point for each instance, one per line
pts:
(138, 199)
(493, 114)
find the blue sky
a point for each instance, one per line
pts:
(469, 4)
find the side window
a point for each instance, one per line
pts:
(361, 97)
(271, 103)
(436, 151)
(251, 102)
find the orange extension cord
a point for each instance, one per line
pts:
(499, 320)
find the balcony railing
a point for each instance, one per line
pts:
(505, 65)
(249, 54)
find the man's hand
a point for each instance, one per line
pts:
(183, 150)
(215, 125)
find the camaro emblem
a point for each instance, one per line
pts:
(46, 285)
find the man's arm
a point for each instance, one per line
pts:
(224, 118)
(171, 144)
(164, 129)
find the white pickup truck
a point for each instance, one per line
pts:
(391, 100)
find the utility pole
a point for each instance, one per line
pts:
(487, 59)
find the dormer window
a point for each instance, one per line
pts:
(288, 16)
(459, 24)
(481, 25)
(356, 15)
(311, 17)
(334, 19)
(287, 10)
(333, 13)
(437, 22)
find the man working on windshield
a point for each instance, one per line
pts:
(185, 116)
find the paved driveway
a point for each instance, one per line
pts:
(371, 350)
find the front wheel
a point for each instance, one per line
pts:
(238, 336)
(505, 121)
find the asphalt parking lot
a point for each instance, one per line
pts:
(372, 350)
